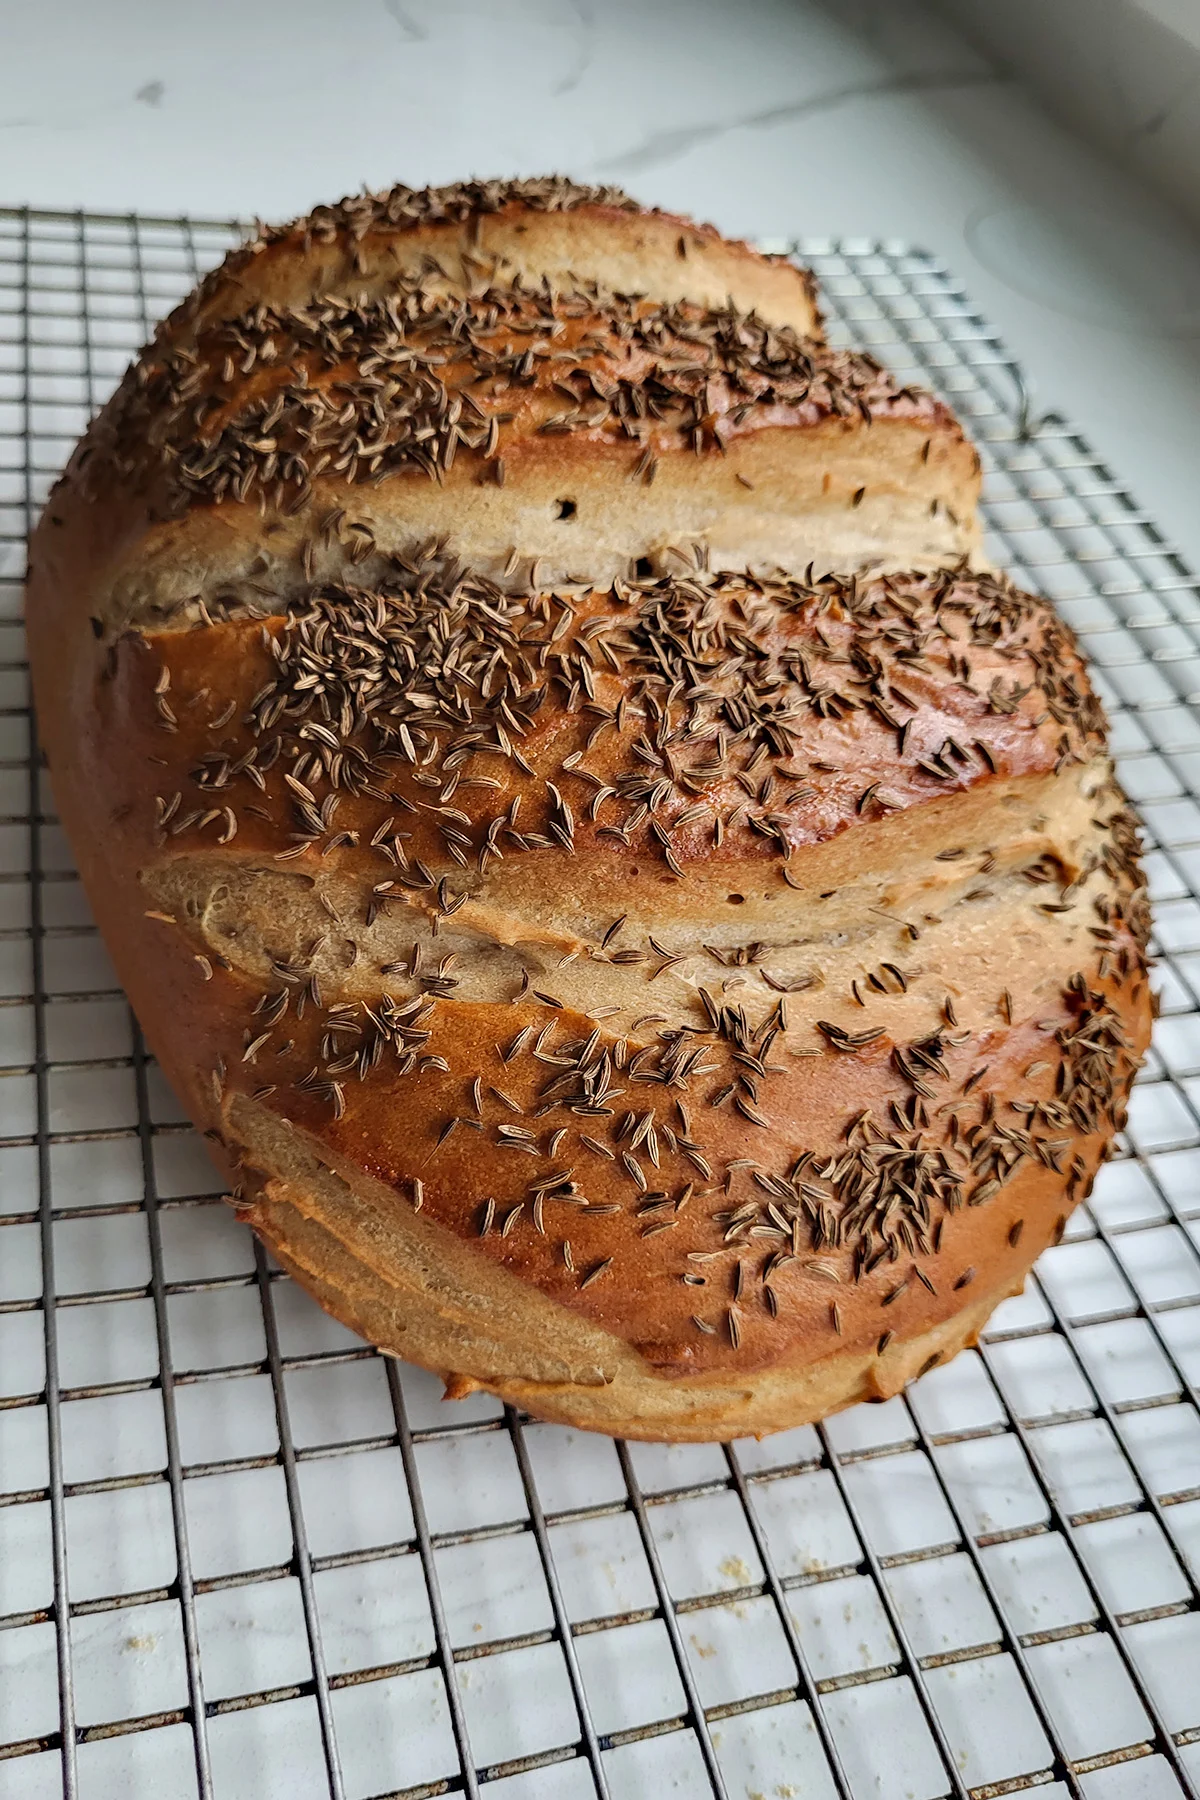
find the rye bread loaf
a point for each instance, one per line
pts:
(645, 920)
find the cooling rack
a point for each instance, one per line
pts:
(243, 1557)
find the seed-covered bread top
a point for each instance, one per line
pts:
(478, 233)
(645, 921)
(558, 424)
(692, 932)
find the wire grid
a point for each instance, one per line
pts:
(241, 1554)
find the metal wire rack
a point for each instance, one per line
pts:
(243, 1555)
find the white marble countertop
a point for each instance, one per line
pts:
(770, 117)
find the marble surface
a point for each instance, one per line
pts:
(770, 117)
(1124, 72)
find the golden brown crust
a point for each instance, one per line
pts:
(855, 1217)
(693, 720)
(569, 428)
(267, 401)
(683, 1001)
(378, 1295)
(475, 233)
(605, 1165)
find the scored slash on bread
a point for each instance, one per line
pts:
(622, 963)
(570, 428)
(478, 234)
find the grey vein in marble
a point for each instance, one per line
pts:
(664, 146)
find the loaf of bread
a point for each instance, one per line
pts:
(643, 916)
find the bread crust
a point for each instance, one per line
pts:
(486, 233)
(680, 998)
(547, 431)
